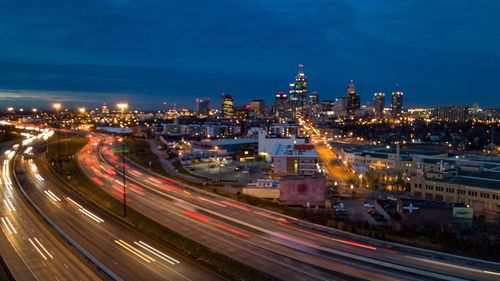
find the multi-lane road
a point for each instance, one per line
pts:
(30, 249)
(284, 247)
(126, 253)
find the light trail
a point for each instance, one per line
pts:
(157, 253)
(91, 215)
(135, 251)
(8, 225)
(9, 205)
(52, 196)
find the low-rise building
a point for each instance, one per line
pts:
(295, 159)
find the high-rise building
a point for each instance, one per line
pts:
(298, 94)
(378, 104)
(257, 108)
(327, 106)
(281, 108)
(452, 113)
(340, 107)
(202, 106)
(397, 104)
(314, 98)
(226, 105)
(353, 101)
(104, 108)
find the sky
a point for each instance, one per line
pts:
(85, 52)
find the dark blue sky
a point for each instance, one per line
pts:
(88, 51)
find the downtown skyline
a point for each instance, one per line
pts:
(164, 51)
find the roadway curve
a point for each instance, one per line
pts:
(30, 249)
(124, 251)
(278, 245)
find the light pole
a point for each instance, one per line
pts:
(123, 107)
(57, 106)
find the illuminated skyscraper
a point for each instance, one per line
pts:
(397, 104)
(281, 107)
(226, 104)
(298, 94)
(353, 101)
(202, 106)
(378, 104)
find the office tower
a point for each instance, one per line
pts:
(104, 108)
(298, 93)
(281, 107)
(340, 107)
(378, 104)
(202, 105)
(397, 104)
(452, 113)
(353, 101)
(257, 108)
(314, 98)
(226, 105)
(327, 106)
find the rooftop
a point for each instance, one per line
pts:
(288, 150)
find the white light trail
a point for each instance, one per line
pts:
(91, 215)
(157, 253)
(135, 251)
(8, 225)
(9, 205)
(52, 196)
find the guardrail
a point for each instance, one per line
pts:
(84, 252)
(344, 234)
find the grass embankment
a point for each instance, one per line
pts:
(479, 242)
(140, 152)
(68, 167)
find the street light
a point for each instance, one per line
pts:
(57, 106)
(82, 110)
(123, 107)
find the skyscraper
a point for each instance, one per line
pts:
(257, 107)
(298, 93)
(281, 108)
(397, 104)
(202, 106)
(353, 101)
(378, 104)
(226, 105)
(314, 98)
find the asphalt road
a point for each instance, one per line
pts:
(284, 247)
(126, 252)
(31, 251)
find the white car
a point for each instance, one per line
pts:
(367, 204)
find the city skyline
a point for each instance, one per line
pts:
(79, 56)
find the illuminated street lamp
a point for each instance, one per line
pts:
(82, 110)
(57, 106)
(123, 107)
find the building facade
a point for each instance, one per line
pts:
(397, 104)
(353, 100)
(227, 106)
(379, 104)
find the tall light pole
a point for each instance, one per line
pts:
(57, 106)
(123, 107)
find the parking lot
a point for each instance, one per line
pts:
(236, 171)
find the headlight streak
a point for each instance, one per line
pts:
(157, 253)
(52, 196)
(9, 205)
(134, 251)
(41, 247)
(9, 226)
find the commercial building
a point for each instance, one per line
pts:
(298, 94)
(340, 107)
(295, 159)
(475, 183)
(202, 106)
(304, 191)
(379, 104)
(452, 113)
(268, 143)
(227, 106)
(397, 104)
(281, 109)
(353, 100)
(257, 108)
(225, 146)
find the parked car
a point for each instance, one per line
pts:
(368, 204)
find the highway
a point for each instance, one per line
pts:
(278, 245)
(125, 252)
(30, 249)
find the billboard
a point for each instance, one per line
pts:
(303, 190)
